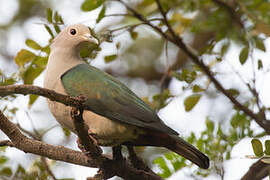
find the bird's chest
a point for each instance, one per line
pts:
(106, 131)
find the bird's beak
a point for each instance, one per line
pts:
(91, 39)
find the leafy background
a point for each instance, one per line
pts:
(233, 44)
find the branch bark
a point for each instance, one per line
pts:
(60, 153)
(257, 171)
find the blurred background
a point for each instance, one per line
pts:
(230, 37)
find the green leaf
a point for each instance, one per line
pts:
(3, 160)
(101, 14)
(267, 147)
(260, 64)
(161, 100)
(260, 44)
(41, 61)
(175, 160)
(134, 35)
(56, 17)
(191, 101)
(49, 30)
(118, 44)
(24, 56)
(66, 132)
(233, 92)
(46, 49)
(20, 170)
(32, 99)
(257, 147)
(6, 171)
(210, 125)
(244, 55)
(199, 144)
(196, 88)
(110, 58)
(89, 5)
(49, 15)
(32, 44)
(224, 48)
(238, 120)
(185, 75)
(163, 166)
(31, 74)
(56, 28)
(89, 51)
(61, 20)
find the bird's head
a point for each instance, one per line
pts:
(73, 36)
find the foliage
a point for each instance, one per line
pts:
(215, 28)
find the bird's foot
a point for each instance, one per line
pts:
(82, 148)
(136, 161)
(93, 136)
(117, 153)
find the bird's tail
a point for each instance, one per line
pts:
(188, 151)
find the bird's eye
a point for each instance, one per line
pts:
(73, 31)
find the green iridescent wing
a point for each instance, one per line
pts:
(110, 98)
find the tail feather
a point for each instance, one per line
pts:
(189, 152)
(173, 143)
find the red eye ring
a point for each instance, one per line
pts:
(73, 31)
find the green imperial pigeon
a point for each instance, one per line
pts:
(117, 116)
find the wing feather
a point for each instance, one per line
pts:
(110, 98)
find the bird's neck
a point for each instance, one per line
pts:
(60, 60)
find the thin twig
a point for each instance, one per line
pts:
(112, 15)
(164, 15)
(126, 27)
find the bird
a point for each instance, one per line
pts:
(117, 116)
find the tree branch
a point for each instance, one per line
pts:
(50, 94)
(6, 143)
(257, 171)
(19, 141)
(175, 39)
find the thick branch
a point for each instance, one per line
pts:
(50, 94)
(257, 171)
(39, 148)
